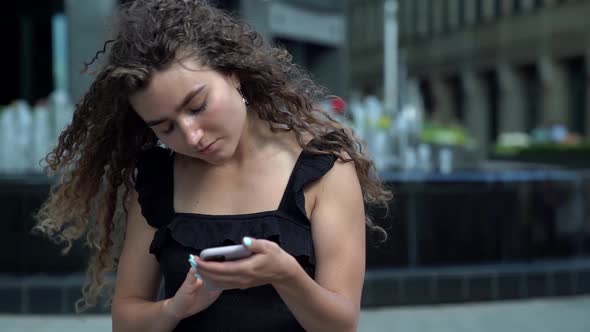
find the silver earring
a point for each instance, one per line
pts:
(243, 99)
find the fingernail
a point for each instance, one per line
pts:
(247, 241)
(191, 260)
(198, 276)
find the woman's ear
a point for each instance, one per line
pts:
(234, 80)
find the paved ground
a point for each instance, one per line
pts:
(547, 315)
(570, 314)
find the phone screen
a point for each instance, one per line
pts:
(215, 258)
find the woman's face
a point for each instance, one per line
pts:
(195, 111)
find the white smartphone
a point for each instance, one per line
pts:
(225, 253)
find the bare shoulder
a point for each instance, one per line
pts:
(342, 177)
(328, 191)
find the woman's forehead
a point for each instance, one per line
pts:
(174, 79)
(170, 87)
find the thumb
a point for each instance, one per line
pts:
(191, 276)
(254, 245)
(193, 281)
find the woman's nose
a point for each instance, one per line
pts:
(191, 131)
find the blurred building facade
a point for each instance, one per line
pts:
(50, 42)
(312, 31)
(496, 66)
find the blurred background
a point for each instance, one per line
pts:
(476, 112)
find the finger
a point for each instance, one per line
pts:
(190, 276)
(199, 283)
(229, 281)
(255, 245)
(192, 281)
(230, 268)
(207, 283)
(193, 262)
(227, 284)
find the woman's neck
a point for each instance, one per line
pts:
(257, 141)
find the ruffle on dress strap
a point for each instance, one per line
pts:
(311, 168)
(197, 235)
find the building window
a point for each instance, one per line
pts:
(413, 12)
(492, 87)
(516, 6)
(531, 88)
(426, 93)
(462, 15)
(424, 10)
(458, 97)
(576, 82)
(230, 6)
(497, 8)
(431, 18)
(478, 11)
(29, 54)
(448, 15)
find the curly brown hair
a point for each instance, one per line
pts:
(95, 157)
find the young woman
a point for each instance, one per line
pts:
(196, 134)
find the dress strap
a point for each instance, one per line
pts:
(309, 168)
(154, 186)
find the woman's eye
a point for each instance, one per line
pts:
(200, 108)
(194, 111)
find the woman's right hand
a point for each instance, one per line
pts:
(192, 297)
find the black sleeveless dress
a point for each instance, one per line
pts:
(180, 234)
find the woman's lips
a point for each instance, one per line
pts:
(209, 148)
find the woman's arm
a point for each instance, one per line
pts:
(332, 301)
(138, 281)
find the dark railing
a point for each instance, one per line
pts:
(485, 217)
(482, 235)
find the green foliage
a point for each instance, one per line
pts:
(445, 135)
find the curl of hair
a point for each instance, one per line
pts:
(94, 160)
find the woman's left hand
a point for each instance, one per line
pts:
(269, 264)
